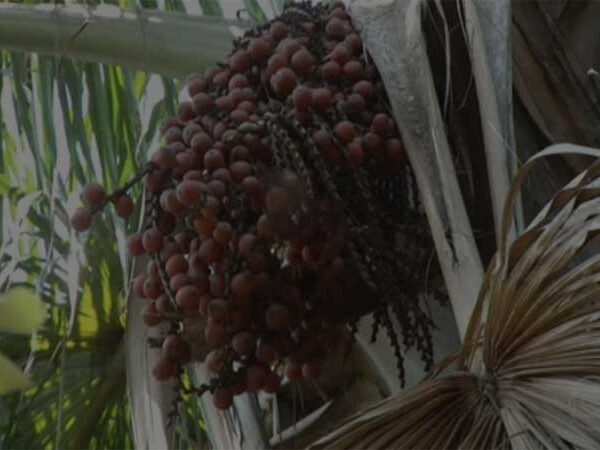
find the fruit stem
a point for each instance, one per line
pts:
(123, 189)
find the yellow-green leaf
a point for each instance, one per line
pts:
(21, 311)
(11, 377)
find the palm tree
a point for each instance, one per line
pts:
(100, 93)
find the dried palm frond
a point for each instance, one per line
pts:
(528, 373)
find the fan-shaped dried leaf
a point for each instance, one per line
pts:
(529, 371)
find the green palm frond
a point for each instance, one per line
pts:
(65, 124)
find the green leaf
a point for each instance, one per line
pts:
(11, 377)
(21, 311)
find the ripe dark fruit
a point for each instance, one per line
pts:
(214, 159)
(365, 88)
(283, 82)
(256, 376)
(335, 28)
(201, 142)
(178, 281)
(381, 124)
(239, 116)
(154, 182)
(222, 233)
(255, 204)
(355, 104)
(172, 135)
(217, 310)
(311, 370)
(302, 61)
(242, 284)
(395, 150)
(176, 264)
(188, 298)
(271, 384)
(263, 228)
(175, 347)
(210, 251)
(277, 200)
(331, 71)
(138, 286)
(163, 304)
(345, 132)
(244, 343)
(164, 158)
(266, 353)
(341, 54)
(214, 360)
(338, 11)
(93, 195)
(124, 206)
(322, 139)
(276, 62)
(278, 30)
(185, 113)
(189, 192)
(223, 398)
(259, 49)
(164, 369)
(302, 98)
(356, 153)
(224, 104)
(321, 99)
(196, 85)
(152, 288)
(81, 219)
(215, 335)
(354, 41)
(293, 372)
(238, 81)
(246, 244)
(277, 317)
(354, 70)
(221, 79)
(372, 144)
(202, 103)
(135, 245)
(151, 316)
(152, 240)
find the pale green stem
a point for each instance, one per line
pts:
(166, 43)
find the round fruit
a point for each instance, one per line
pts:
(244, 343)
(124, 206)
(345, 131)
(277, 317)
(152, 240)
(81, 219)
(302, 98)
(223, 398)
(135, 245)
(277, 200)
(93, 195)
(164, 369)
(259, 49)
(321, 99)
(151, 316)
(256, 376)
(278, 30)
(188, 298)
(283, 82)
(175, 347)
